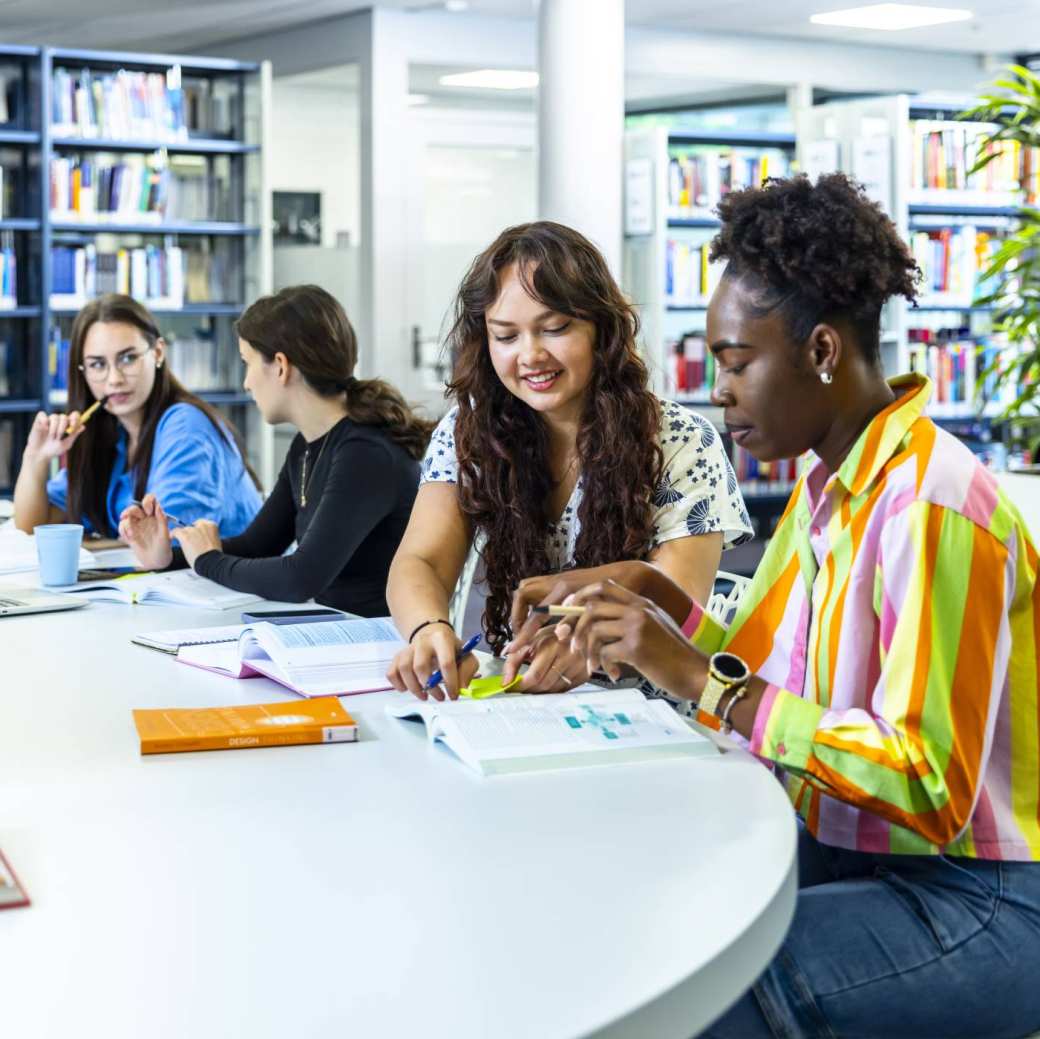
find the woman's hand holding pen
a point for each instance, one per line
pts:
(200, 537)
(48, 438)
(619, 627)
(145, 529)
(434, 648)
(641, 578)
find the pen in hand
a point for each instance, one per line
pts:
(173, 519)
(86, 415)
(467, 647)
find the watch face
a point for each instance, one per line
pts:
(729, 666)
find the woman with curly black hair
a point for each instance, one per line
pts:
(884, 658)
(556, 454)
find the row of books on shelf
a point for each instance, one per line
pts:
(163, 277)
(8, 271)
(118, 105)
(152, 275)
(137, 189)
(952, 258)
(140, 106)
(199, 362)
(698, 177)
(691, 372)
(757, 477)
(943, 154)
(689, 277)
(957, 361)
(196, 360)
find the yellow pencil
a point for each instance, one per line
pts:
(86, 414)
(559, 611)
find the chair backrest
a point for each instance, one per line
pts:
(722, 604)
(459, 598)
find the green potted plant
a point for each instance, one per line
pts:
(1011, 280)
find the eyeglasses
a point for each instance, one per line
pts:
(128, 363)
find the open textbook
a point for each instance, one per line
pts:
(520, 733)
(316, 659)
(170, 588)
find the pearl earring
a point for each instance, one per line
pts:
(826, 378)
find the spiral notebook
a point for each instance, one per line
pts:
(171, 641)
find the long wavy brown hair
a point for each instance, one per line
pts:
(309, 326)
(92, 456)
(502, 444)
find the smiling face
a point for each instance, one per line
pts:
(775, 405)
(542, 357)
(118, 363)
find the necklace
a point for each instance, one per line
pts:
(303, 470)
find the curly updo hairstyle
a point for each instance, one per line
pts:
(813, 252)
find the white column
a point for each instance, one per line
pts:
(581, 112)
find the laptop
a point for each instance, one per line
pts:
(32, 600)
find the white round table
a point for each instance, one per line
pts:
(371, 889)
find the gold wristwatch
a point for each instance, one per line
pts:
(726, 673)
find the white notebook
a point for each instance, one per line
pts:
(171, 641)
(513, 733)
(171, 588)
(329, 658)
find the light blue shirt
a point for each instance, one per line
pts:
(196, 473)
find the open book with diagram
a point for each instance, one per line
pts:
(519, 733)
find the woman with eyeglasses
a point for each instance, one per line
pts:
(151, 436)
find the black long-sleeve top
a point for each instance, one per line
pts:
(360, 487)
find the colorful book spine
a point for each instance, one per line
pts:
(944, 153)
(123, 105)
(699, 176)
(153, 275)
(689, 276)
(692, 371)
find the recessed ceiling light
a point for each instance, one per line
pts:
(456, 5)
(418, 99)
(892, 17)
(492, 79)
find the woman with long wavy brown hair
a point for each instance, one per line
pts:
(555, 455)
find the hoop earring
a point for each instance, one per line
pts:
(826, 378)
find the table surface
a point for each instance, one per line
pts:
(370, 889)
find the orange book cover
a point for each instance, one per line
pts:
(319, 720)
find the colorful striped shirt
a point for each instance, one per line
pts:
(895, 617)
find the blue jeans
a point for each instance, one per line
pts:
(900, 947)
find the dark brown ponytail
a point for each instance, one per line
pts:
(309, 326)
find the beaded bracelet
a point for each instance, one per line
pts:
(419, 627)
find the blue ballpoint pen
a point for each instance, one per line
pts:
(467, 647)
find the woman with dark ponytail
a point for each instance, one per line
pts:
(346, 489)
